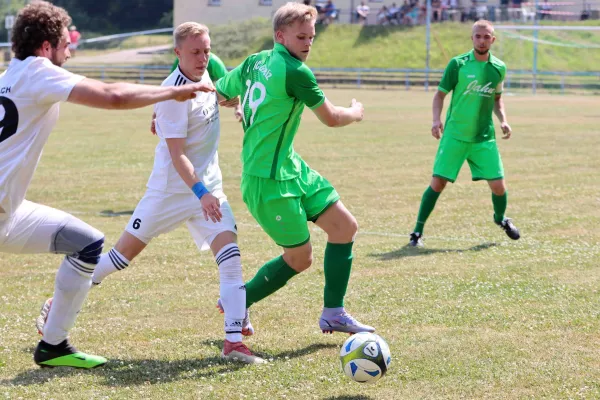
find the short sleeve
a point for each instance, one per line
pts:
(172, 119)
(230, 85)
(450, 77)
(302, 84)
(216, 68)
(56, 82)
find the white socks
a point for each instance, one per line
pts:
(109, 263)
(71, 287)
(232, 290)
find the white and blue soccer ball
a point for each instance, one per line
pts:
(365, 357)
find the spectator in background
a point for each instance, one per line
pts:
(74, 36)
(362, 12)
(306, 2)
(328, 13)
(404, 10)
(383, 16)
(545, 9)
(394, 14)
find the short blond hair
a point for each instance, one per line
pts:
(483, 23)
(290, 12)
(188, 29)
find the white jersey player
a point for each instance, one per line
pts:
(186, 187)
(30, 92)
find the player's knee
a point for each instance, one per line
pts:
(300, 262)
(438, 184)
(79, 240)
(352, 228)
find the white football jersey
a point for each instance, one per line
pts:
(30, 91)
(196, 120)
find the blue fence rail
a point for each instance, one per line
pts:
(399, 78)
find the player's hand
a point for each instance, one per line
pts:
(506, 130)
(211, 207)
(358, 106)
(231, 103)
(437, 129)
(239, 115)
(153, 124)
(186, 92)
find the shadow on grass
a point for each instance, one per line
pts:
(349, 397)
(284, 354)
(408, 251)
(111, 213)
(118, 372)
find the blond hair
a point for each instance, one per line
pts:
(290, 12)
(188, 29)
(482, 23)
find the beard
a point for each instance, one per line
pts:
(56, 60)
(481, 52)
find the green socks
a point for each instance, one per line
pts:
(274, 275)
(427, 204)
(338, 263)
(500, 203)
(270, 278)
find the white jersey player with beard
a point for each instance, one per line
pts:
(30, 92)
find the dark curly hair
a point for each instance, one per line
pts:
(36, 23)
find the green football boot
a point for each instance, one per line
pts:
(64, 355)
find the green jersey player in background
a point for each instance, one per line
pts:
(280, 190)
(476, 80)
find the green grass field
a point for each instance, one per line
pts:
(473, 315)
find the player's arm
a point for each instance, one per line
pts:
(302, 84)
(447, 84)
(124, 96)
(335, 116)
(437, 128)
(171, 125)
(185, 169)
(500, 112)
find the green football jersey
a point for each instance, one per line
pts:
(274, 87)
(474, 85)
(216, 68)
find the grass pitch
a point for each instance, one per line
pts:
(472, 315)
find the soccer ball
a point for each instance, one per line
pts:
(365, 357)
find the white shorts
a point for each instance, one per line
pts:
(161, 212)
(33, 228)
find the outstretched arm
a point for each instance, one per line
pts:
(124, 96)
(336, 116)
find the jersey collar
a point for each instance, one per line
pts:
(282, 49)
(472, 55)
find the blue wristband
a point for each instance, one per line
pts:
(199, 189)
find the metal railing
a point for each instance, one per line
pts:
(374, 78)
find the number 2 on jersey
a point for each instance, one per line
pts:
(250, 97)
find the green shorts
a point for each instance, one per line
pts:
(483, 158)
(282, 208)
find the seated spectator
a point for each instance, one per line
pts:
(545, 7)
(411, 18)
(362, 12)
(383, 16)
(394, 14)
(328, 13)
